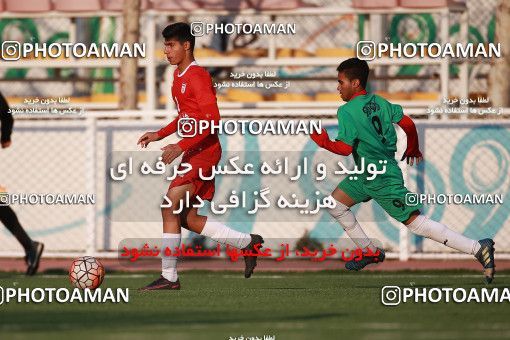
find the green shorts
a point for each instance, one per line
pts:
(387, 190)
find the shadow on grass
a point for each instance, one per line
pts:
(87, 320)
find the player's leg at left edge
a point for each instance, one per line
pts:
(33, 249)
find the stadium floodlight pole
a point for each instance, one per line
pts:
(499, 84)
(445, 61)
(91, 228)
(272, 42)
(463, 67)
(129, 66)
(404, 236)
(150, 70)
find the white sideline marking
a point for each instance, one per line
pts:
(239, 276)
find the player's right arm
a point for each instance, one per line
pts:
(153, 136)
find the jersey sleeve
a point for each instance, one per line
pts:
(413, 148)
(169, 129)
(202, 89)
(396, 113)
(347, 131)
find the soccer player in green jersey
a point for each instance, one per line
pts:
(365, 129)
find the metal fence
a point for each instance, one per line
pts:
(326, 34)
(76, 157)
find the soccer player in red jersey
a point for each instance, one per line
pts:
(195, 99)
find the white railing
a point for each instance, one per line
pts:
(93, 125)
(150, 63)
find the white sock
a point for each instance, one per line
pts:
(438, 232)
(343, 215)
(225, 235)
(169, 263)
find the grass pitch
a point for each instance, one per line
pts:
(224, 305)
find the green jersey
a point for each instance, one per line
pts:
(366, 123)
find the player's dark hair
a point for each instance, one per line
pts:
(355, 68)
(181, 32)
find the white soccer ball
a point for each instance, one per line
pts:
(86, 272)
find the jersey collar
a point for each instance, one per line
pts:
(360, 93)
(181, 74)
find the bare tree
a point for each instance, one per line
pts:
(129, 66)
(499, 84)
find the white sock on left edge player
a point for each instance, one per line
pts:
(438, 232)
(225, 235)
(169, 263)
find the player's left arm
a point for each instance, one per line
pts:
(412, 153)
(347, 134)
(6, 122)
(338, 147)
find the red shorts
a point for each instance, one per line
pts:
(204, 159)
